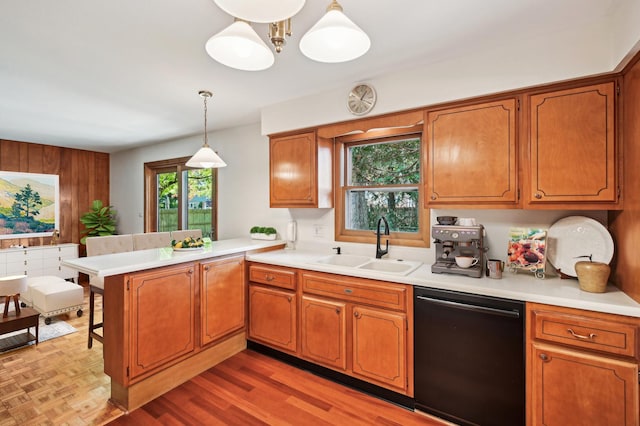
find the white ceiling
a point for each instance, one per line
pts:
(109, 75)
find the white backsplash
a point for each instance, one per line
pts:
(316, 230)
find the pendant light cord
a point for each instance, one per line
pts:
(205, 95)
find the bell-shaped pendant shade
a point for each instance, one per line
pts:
(238, 46)
(334, 38)
(205, 158)
(265, 11)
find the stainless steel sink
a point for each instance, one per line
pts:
(366, 263)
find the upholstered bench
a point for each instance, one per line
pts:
(51, 296)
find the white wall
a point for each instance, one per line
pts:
(244, 183)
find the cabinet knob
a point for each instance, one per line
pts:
(434, 196)
(269, 277)
(538, 195)
(545, 357)
(356, 314)
(289, 298)
(338, 311)
(348, 291)
(206, 268)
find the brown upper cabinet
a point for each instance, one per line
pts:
(301, 173)
(573, 154)
(471, 156)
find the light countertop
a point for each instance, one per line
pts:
(122, 263)
(517, 286)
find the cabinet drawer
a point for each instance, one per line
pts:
(586, 332)
(283, 278)
(391, 296)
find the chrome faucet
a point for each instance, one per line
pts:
(379, 251)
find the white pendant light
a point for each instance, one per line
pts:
(334, 38)
(265, 11)
(238, 46)
(205, 158)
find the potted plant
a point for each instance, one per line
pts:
(263, 233)
(99, 221)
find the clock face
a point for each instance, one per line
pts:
(361, 99)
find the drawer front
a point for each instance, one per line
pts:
(586, 332)
(283, 278)
(390, 296)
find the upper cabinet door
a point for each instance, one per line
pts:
(471, 156)
(301, 171)
(573, 155)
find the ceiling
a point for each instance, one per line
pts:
(110, 75)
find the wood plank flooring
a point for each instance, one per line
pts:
(61, 382)
(253, 389)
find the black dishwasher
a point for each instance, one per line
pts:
(469, 357)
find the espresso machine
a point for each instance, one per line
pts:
(457, 240)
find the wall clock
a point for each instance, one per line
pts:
(361, 99)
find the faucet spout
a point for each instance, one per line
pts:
(379, 251)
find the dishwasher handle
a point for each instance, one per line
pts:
(467, 307)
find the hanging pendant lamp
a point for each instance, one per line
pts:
(239, 46)
(264, 11)
(205, 158)
(334, 38)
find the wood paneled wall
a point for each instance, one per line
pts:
(625, 225)
(83, 175)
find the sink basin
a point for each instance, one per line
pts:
(351, 260)
(400, 267)
(366, 263)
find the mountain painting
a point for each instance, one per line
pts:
(28, 205)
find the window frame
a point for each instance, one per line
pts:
(151, 170)
(418, 239)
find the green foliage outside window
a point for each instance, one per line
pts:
(383, 180)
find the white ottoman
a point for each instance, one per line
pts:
(53, 296)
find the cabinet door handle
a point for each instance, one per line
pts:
(206, 268)
(190, 271)
(289, 298)
(538, 195)
(545, 357)
(356, 314)
(348, 291)
(434, 197)
(269, 277)
(591, 336)
(338, 311)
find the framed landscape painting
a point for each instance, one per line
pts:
(29, 205)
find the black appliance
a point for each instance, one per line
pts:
(469, 357)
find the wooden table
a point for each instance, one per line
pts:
(27, 318)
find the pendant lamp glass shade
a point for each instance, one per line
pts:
(334, 38)
(238, 46)
(264, 11)
(205, 158)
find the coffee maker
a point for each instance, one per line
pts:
(456, 240)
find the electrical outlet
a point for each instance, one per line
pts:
(318, 231)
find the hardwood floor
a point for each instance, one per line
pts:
(61, 382)
(253, 389)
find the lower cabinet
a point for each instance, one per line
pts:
(323, 327)
(583, 367)
(355, 326)
(162, 316)
(571, 387)
(272, 317)
(380, 346)
(222, 298)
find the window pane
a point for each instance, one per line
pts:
(199, 203)
(396, 162)
(400, 207)
(167, 184)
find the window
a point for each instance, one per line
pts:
(380, 175)
(179, 197)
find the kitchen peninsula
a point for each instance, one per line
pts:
(170, 315)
